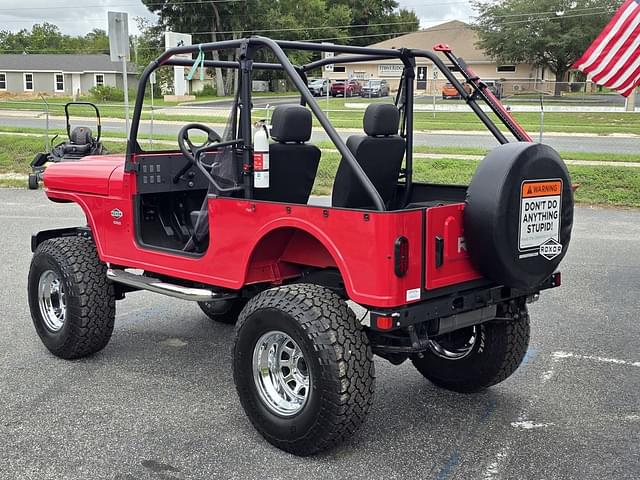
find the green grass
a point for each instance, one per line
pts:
(12, 183)
(600, 185)
(566, 155)
(564, 122)
(16, 152)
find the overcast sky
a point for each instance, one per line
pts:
(77, 17)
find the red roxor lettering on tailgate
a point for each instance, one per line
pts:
(448, 262)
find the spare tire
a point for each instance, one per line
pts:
(518, 214)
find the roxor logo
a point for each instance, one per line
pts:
(550, 249)
(116, 213)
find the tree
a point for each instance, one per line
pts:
(545, 33)
(355, 22)
(376, 20)
(211, 20)
(47, 38)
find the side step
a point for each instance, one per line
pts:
(172, 290)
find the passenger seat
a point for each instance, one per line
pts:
(380, 153)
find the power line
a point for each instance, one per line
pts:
(102, 5)
(347, 37)
(326, 27)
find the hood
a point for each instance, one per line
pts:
(87, 175)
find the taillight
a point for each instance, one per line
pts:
(401, 256)
(384, 322)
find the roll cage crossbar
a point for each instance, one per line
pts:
(297, 74)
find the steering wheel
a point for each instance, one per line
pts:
(188, 149)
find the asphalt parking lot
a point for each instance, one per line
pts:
(159, 401)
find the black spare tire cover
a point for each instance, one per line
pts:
(518, 214)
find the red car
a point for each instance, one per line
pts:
(346, 88)
(445, 272)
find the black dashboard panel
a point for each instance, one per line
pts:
(156, 173)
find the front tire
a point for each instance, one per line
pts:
(303, 368)
(33, 181)
(72, 303)
(474, 358)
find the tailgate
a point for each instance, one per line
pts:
(447, 261)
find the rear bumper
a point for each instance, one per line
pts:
(449, 312)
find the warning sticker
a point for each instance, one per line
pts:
(540, 205)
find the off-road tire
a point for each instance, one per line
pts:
(339, 359)
(90, 298)
(32, 181)
(229, 315)
(500, 347)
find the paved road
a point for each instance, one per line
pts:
(599, 100)
(574, 143)
(159, 401)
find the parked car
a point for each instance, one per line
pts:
(449, 91)
(346, 88)
(375, 88)
(319, 86)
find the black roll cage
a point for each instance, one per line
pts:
(297, 74)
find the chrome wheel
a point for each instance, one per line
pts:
(51, 299)
(455, 345)
(281, 373)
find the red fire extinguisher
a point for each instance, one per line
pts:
(261, 156)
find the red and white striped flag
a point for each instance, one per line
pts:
(613, 59)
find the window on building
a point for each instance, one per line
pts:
(339, 68)
(506, 68)
(28, 82)
(59, 82)
(99, 80)
(3, 81)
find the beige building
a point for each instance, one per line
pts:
(462, 39)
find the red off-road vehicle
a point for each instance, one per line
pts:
(444, 271)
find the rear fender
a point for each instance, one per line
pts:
(286, 252)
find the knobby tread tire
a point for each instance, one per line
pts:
(496, 356)
(90, 298)
(340, 351)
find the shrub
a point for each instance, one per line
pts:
(107, 93)
(208, 90)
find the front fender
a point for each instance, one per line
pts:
(41, 236)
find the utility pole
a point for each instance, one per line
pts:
(630, 103)
(119, 50)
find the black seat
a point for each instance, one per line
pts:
(379, 153)
(292, 162)
(80, 143)
(292, 167)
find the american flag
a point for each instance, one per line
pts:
(613, 59)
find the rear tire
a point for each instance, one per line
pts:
(335, 382)
(72, 303)
(457, 363)
(224, 311)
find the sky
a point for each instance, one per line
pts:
(78, 17)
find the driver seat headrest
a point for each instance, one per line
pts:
(291, 123)
(381, 119)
